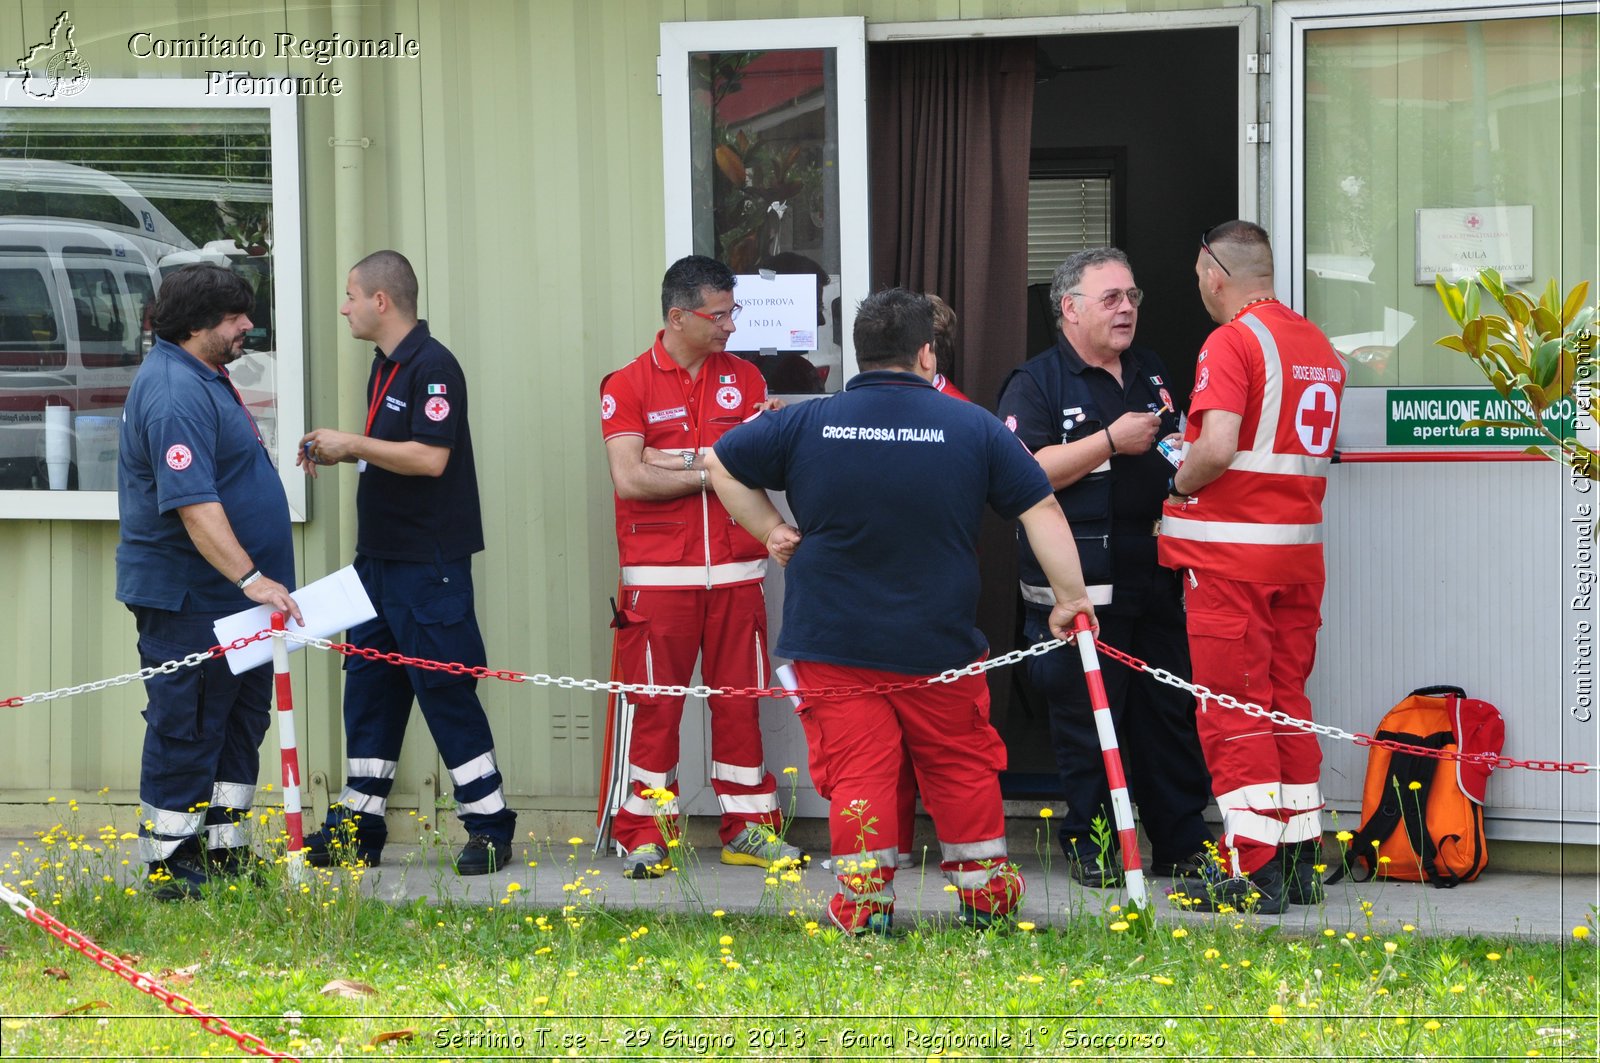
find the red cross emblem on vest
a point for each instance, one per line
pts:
(1314, 418)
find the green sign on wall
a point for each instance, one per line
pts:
(1432, 417)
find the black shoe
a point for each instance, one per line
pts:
(180, 877)
(238, 861)
(1097, 876)
(345, 841)
(481, 855)
(1191, 866)
(1303, 880)
(1262, 891)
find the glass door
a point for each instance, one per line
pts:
(764, 127)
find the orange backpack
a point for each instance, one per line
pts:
(1422, 818)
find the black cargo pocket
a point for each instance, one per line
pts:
(176, 699)
(446, 631)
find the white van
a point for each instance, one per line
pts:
(75, 305)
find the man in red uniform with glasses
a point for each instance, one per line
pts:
(691, 577)
(1244, 523)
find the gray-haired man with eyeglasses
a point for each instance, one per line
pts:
(1091, 409)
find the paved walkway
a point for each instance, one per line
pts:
(1498, 905)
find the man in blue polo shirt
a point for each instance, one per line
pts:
(888, 481)
(204, 533)
(417, 526)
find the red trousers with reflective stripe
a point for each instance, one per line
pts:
(856, 757)
(1257, 642)
(726, 629)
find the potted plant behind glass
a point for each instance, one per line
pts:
(1536, 353)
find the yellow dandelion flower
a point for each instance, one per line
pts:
(1458, 989)
(725, 939)
(1389, 947)
(1414, 785)
(1493, 957)
(1344, 836)
(1119, 926)
(512, 887)
(1160, 979)
(1408, 928)
(1330, 932)
(718, 914)
(1046, 813)
(1211, 954)
(791, 770)
(574, 841)
(1133, 916)
(1024, 927)
(1244, 963)
(1431, 1025)
(1276, 1012)
(1580, 932)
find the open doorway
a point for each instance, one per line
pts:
(1135, 142)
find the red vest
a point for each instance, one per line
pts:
(1261, 520)
(689, 541)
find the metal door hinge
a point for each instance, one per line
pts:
(1258, 133)
(1258, 63)
(658, 75)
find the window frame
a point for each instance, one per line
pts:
(283, 123)
(1362, 418)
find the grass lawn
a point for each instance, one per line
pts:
(505, 981)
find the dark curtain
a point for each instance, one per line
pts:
(950, 125)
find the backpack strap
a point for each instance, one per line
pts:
(1401, 805)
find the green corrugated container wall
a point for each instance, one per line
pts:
(518, 163)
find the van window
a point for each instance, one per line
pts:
(28, 332)
(109, 338)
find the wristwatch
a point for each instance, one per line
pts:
(688, 459)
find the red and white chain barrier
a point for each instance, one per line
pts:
(701, 691)
(144, 983)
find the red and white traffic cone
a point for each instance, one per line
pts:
(288, 753)
(1121, 806)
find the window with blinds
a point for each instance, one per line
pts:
(1066, 213)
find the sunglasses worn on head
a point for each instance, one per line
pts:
(1206, 247)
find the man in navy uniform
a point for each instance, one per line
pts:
(1091, 409)
(417, 526)
(204, 533)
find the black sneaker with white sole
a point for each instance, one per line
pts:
(482, 855)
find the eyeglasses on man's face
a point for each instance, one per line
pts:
(721, 317)
(1206, 247)
(1112, 299)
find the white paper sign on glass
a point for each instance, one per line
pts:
(1459, 241)
(334, 603)
(779, 314)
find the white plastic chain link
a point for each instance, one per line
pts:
(166, 668)
(15, 901)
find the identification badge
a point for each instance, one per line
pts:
(361, 465)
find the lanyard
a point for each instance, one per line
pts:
(377, 395)
(226, 379)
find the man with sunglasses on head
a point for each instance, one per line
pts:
(1091, 409)
(1244, 526)
(691, 577)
